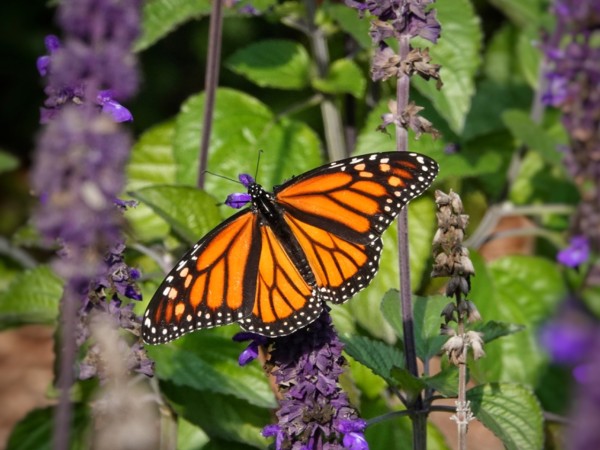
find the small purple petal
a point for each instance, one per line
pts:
(248, 336)
(135, 274)
(118, 112)
(42, 64)
(248, 355)
(270, 430)
(52, 43)
(582, 373)
(355, 441)
(126, 203)
(576, 253)
(567, 343)
(132, 293)
(246, 179)
(349, 426)
(237, 200)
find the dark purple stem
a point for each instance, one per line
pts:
(419, 421)
(63, 413)
(210, 87)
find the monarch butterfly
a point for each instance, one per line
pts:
(271, 266)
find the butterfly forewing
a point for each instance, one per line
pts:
(357, 198)
(213, 284)
(338, 213)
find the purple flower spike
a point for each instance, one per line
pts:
(238, 200)
(246, 179)
(313, 410)
(576, 253)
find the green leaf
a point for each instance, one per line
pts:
(540, 182)
(189, 436)
(490, 101)
(493, 330)
(444, 382)
(529, 55)
(376, 355)
(532, 135)
(407, 382)
(526, 291)
(349, 21)
(368, 382)
(214, 369)
(31, 297)
(7, 162)
(242, 126)
(511, 412)
(474, 159)
(151, 163)
(365, 305)
(458, 52)
(160, 17)
(35, 431)
(344, 76)
(521, 13)
(189, 211)
(395, 434)
(427, 321)
(500, 66)
(275, 63)
(221, 416)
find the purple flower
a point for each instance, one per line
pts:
(577, 253)
(314, 411)
(117, 111)
(238, 200)
(52, 44)
(400, 17)
(78, 167)
(251, 352)
(567, 342)
(353, 431)
(584, 432)
(246, 179)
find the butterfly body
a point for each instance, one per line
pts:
(271, 266)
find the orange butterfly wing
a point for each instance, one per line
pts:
(274, 281)
(338, 213)
(213, 284)
(284, 300)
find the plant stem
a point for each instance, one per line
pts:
(64, 410)
(332, 119)
(211, 80)
(461, 421)
(419, 421)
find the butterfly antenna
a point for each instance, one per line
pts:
(257, 163)
(222, 176)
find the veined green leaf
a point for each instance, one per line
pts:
(512, 412)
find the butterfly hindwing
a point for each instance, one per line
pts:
(213, 284)
(284, 300)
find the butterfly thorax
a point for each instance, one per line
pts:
(272, 215)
